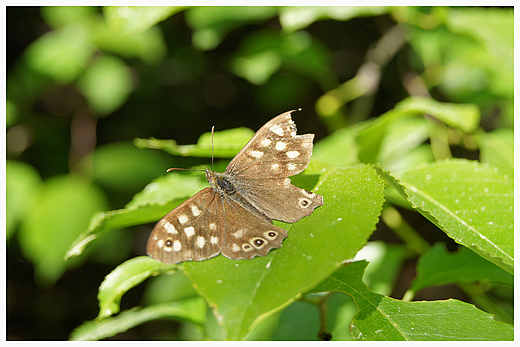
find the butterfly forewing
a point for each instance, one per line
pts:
(274, 152)
(261, 169)
(188, 232)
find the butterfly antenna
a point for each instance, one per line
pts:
(181, 169)
(212, 129)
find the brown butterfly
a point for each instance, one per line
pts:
(233, 216)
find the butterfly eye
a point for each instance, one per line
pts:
(258, 242)
(247, 247)
(271, 235)
(304, 202)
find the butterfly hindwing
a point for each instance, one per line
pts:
(247, 235)
(279, 199)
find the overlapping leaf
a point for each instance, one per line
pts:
(381, 318)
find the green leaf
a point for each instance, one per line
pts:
(212, 24)
(158, 198)
(262, 54)
(293, 18)
(438, 267)
(60, 16)
(473, 203)
(61, 213)
(493, 27)
(381, 318)
(402, 147)
(131, 20)
(244, 292)
(497, 149)
(192, 310)
(226, 144)
(372, 135)
(148, 45)
(106, 84)
(62, 54)
(124, 277)
(23, 184)
(344, 140)
(112, 164)
(462, 116)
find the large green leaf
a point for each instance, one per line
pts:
(381, 318)
(245, 291)
(472, 202)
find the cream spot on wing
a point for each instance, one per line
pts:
(182, 218)
(291, 167)
(238, 234)
(189, 231)
(235, 248)
(177, 246)
(280, 145)
(213, 240)
(275, 167)
(277, 130)
(201, 241)
(265, 142)
(160, 243)
(292, 154)
(256, 154)
(212, 226)
(286, 182)
(195, 210)
(170, 229)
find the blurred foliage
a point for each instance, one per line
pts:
(102, 100)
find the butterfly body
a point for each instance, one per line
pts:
(234, 215)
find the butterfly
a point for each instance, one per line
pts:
(233, 216)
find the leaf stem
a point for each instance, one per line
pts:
(404, 231)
